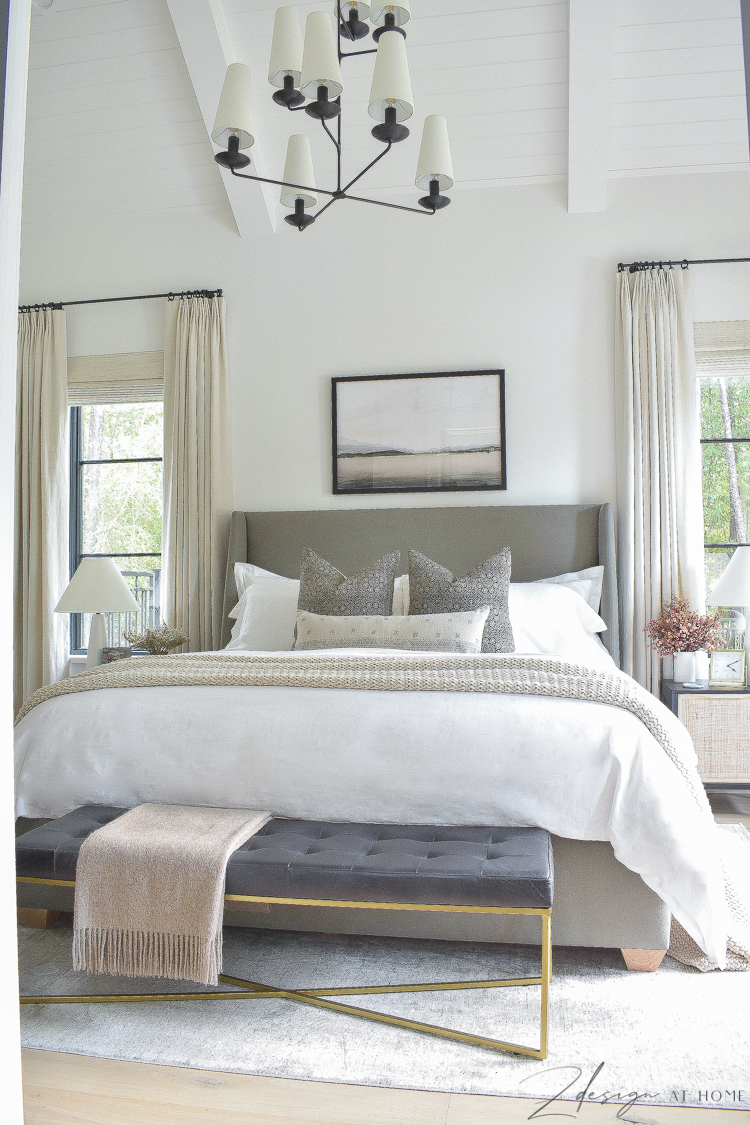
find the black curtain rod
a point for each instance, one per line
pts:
(634, 267)
(111, 300)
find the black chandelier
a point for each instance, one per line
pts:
(312, 73)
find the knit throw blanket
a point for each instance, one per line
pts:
(149, 895)
(401, 671)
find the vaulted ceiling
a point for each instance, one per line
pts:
(120, 92)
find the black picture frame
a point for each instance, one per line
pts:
(379, 459)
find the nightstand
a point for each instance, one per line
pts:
(719, 723)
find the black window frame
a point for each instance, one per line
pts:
(76, 551)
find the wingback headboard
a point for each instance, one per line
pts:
(544, 540)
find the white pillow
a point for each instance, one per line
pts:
(550, 617)
(265, 615)
(401, 596)
(587, 583)
(245, 574)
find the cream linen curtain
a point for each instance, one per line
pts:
(197, 469)
(40, 635)
(660, 516)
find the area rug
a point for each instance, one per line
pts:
(676, 1037)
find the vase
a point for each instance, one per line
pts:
(684, 667)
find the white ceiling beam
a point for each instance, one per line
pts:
(590, 35)
(207, 49)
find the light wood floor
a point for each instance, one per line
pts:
(77, 1090)
(62, 1089)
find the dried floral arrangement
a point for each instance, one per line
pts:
(157, 642)
(678, 628)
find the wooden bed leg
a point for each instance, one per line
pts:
(37, 919)
(643, 960)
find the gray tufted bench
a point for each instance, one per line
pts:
(489, 870)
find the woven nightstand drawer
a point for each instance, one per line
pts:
(720, 729)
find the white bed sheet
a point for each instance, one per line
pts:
(583, 770)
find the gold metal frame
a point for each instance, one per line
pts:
(253, 990)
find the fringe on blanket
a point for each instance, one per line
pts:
(134, 953)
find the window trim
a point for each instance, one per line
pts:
(75, 536)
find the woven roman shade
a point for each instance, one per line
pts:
(125, 377)
(722, 348)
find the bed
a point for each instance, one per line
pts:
(301, 760)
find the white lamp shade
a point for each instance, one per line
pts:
(234, 117)
(320, 60)
(97, 587)
(401, 10)
(435, 155)
(391, 85)
(298, 169)
(286, 48)
(733, 588)
(362, 9)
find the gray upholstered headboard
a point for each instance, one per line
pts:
(544, 540)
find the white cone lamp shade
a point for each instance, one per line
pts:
(320, 61)
(234, 117)
(391, 85)
(733, 588)
(97, 587)
(286, 48)
(435, 155)
(401, 11)
(298, 169)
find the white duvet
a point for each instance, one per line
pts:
(584, 770)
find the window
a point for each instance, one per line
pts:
(116, 505)
(722, 350)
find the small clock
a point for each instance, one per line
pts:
(727, 667)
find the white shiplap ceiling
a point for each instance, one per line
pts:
(115, 127)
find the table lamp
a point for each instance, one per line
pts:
(97, 587)
(733, 589)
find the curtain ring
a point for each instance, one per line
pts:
(684, 263)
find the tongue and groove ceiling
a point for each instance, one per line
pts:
(120, 92)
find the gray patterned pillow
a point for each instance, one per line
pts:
(429, 632)
(323, 589)
(433, 589)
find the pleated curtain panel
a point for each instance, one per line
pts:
(40, 635)
(197, 469)
(660, 516)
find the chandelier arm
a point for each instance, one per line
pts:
(380, 156)
(284, 183)
(351, 54)
(396, 206)
(330, 134)
(325, 207)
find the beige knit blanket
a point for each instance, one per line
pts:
(149, 894)
(402, 671)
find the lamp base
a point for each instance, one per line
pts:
(230, 159)
(433, 202)
(390, 132)
(97, 641)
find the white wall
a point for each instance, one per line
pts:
(13, 109)
(503, 277)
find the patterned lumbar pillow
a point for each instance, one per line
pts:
(325, 590)
(430, 632)
(433, 589)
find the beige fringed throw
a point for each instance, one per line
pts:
(149, 893)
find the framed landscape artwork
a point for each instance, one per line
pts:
(437, 432)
